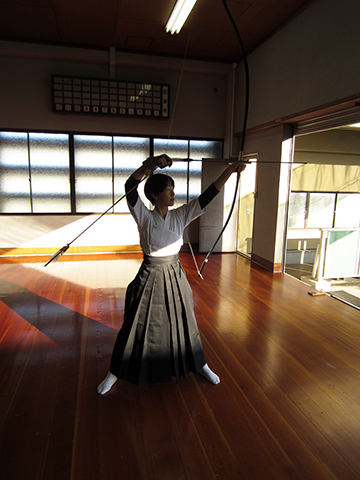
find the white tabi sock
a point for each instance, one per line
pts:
(209, 374)
(106, 384)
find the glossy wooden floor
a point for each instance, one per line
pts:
(288, 406)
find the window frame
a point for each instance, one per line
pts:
(72, 172)
(307, 208)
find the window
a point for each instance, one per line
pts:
(321, 210)
(14, 173)
(93, 173)
(324, 210)
(187, 175)
(49, 173)
(198, 151)
(63, 173)
(179, 170)
(347, 213)
(297, 210)
(34, 172)
(129, 153)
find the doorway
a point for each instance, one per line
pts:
(324, 196)
(247, 194)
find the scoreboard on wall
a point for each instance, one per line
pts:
(90, 96)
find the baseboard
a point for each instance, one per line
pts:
(42, 254)
(268, 265)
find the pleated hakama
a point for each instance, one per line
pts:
(159, 338)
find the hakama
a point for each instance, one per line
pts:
(159, 338)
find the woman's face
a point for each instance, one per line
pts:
(165, 198)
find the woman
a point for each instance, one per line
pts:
(159, 338)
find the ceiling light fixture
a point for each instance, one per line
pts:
(179, 15)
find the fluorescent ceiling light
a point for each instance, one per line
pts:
(179, 15)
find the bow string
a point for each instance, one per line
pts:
(242, 143)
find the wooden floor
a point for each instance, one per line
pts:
(287, 407)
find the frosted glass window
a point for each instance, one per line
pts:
(200, 149)
(173, 148)
(187, 175)
(205, 149)
(93, 173)
(297, 210)
(14, 173)
(347, 210)
(39, 173)
(194, 187)
(50, 172)
(321, 210)
(129, 154)
(179, 170)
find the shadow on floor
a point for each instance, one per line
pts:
(348, 285)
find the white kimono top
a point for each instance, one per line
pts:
(161, 237)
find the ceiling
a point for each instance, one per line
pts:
(139, 25)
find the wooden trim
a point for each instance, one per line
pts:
(39, 255)
(340, 105)
(83, 257)
(20, 251)
(267, 264)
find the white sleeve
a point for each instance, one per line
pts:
(189, 211)
(139, 212)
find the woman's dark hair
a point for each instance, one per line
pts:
(156, 184)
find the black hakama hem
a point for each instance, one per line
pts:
(159, 338)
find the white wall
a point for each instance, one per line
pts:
(25, 91)
(311, 62)
(269, 210)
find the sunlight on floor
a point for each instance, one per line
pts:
(119, 273)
